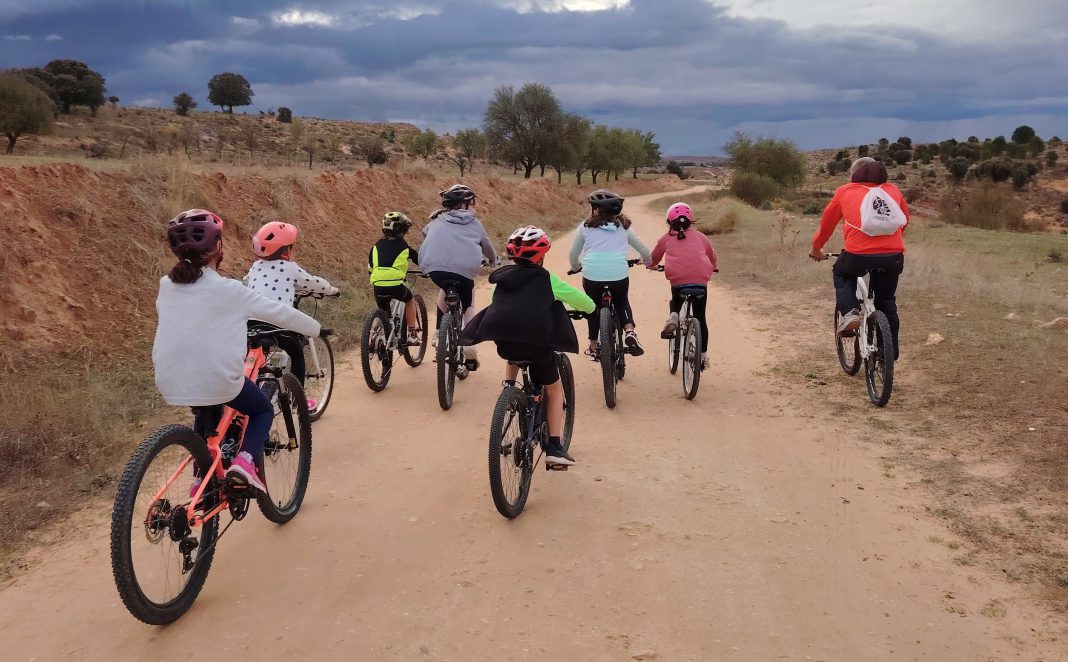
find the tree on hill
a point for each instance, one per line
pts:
(1035, 145)
(1023, 135)
(24, 109)
(862, 151)
(373, 150)
(958, 167)
(1051, 158)
(467, 145)
(228, 89)
(673, 168)
(776, 158)
(423, 144)
(114, 101)
(75, 84)
(569, 151)
(183, 103)
(519, 126)
(285, 115)
(905, 142)
(646, 151)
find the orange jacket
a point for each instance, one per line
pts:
(846, 204)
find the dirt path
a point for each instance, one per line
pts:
(735, 527)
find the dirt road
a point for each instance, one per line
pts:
(740, 526)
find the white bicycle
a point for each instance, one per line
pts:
(319, 365)
(385, 334)
(872, 343)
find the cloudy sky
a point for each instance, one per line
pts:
(821, 72)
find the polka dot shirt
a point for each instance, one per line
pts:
(282, 280)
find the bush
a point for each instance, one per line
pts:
(906, 141)
(996, 170)
(754, 189)
(1023, 135)
(831, 167)
(285, 115)
(673, 168)
(900, 176)
(183, 103)
(903, 156)
(812, 208)
(862, 151)
(775, 158)
(1015, 151)
(914, 194)
(1021, 176)
(725, 225)
(984, 205)
(958, 167)
(1051, 158)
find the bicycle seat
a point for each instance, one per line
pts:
(696, 292)
(521, 364)
(450, 284)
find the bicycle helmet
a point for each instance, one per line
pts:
(272, 240)
(679, 216)
(194, 235)
(395, 221)
(607, 201)
(528, 243)
(457, 195)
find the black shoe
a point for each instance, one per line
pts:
(630, 339)
(555, 454)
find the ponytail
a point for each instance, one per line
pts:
(679, 228)
(189, 268)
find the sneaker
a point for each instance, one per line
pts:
(413, 338)
(671, 328)
(849, 322)
(195, 486)
(592, 354)
(243, 470)
(555, 454)
(312, 404)
(434, 340)
(631, 341)
(704, 362)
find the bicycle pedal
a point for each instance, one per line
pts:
(555, 467)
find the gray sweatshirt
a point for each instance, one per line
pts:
(456, 242)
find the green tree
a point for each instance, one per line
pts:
(75, 84)
(285, 115)
(958, 167)
(228, 89)
(862, 151)
(373, 150)
(24, 109)
(571, 147)
(673, 168)
(1035, 146)
(467, 145)
(424, 144)
(753, 188)
(1051, 158)
(905, 142)
(520, 126)
(183, 103)
(1023, 135)
(645, 150)
(776, 158)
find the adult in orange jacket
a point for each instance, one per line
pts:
(883, 256)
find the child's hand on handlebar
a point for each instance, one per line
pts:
(817, 255)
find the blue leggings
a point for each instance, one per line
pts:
(252, 402)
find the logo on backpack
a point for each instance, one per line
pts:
(880, 215)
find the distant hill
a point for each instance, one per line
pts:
(698, 160)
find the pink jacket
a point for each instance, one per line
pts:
(689, 261)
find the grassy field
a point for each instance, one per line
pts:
(978, 421)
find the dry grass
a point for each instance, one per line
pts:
(962, 414)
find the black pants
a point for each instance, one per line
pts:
(697, 309)
(620, 290)
(384, 296)
(544, 369)
(885, 269)
(465, 287)
(293, 345)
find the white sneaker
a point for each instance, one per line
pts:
(705, 362)
(849, 322)
(671, 327)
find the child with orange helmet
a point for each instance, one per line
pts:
(276, 276)
(528, 322)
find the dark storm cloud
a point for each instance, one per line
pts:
(683, 68)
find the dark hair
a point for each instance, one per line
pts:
(189, 268)
(395, 234)
(869, 172)
(679, 228)
(620, 220)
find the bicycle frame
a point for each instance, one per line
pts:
(867, 307)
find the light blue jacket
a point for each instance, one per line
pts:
(602, 252)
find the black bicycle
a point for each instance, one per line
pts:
(452, 364)
(611, 350)
(519, 429)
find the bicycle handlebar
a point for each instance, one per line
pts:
(317, 295)
(630, 263)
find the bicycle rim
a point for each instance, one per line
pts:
(673, 352)
(150, 573)
(879, 365)
(691, 359)
(376, 357)
(286, 459)
(446, 355)
(320, 385)
(567, 380)
(847, 347)
(414, 355)
(511, 454)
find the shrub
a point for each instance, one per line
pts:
(906, 141)
(674, 168)
(285, 115)
(725, 225)
(984, 205)
(842, 154)
(900, 176)
(1023, 135)
(1015, 151)
(914, 194)
(996, 170)
(831, 167)
(775, 158)
(754, 189)
(862, 151)
(958, 167)
(183, 103)
(812, 208)
(823, 169)
(1035, 146)
(1051, 158)
(903, 156)
(1020, 177)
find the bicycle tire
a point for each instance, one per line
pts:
(608, 360)
(140, 605)
(691, 358)
(621, 355)
(326, 364)
(446, 354)
(414, 359)
(841, 343)
(384, 354)
(883, 341)
(567, 380)
(280, 513)
(512, 401)
(673, 350)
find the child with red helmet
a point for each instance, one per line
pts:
(528, 322)
(689, 261)
(276, 276)
(201, 341)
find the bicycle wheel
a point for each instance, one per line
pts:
(879, 365)
(848, 348)
(375, 353)
(156, 577)
(567, 380)
(621, 355)
(287, 454)
(511, 454)
(608, 359)
(673, 350)
(319, 383)
(414, 355)
(446, 362)
(691, 359)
